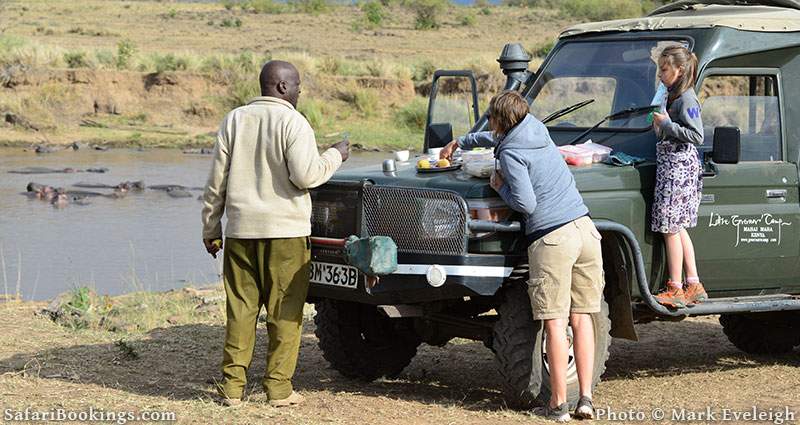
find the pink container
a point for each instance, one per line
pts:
(576, 155)
(599, 152)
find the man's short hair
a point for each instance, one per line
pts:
(506, 110)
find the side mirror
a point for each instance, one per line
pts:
(439, 135)
(727, 145)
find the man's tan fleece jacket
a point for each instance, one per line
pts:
(265, 160)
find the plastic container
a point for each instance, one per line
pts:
(480, 169)
(576, 155)
(480, 154)
(599, 152)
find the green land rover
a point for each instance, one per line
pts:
(461, 262)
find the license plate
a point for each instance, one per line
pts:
(334, 275)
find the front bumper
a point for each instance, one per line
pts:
(467, 275)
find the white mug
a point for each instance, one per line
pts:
(401, 156)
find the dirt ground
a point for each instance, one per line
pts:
(687, 365)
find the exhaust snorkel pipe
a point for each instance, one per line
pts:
(514, 63)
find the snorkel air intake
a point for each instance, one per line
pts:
(514, 63)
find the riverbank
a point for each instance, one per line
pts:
(155, 74)
(170, 364)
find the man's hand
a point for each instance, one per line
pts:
(447, 151)
(496, 181)
(213, 246)
(344, 148)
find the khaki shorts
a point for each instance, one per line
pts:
(566, 271)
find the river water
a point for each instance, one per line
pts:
(144, 241)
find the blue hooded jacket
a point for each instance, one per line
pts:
(538, 182)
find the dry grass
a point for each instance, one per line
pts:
(171, 367)
(117, 43)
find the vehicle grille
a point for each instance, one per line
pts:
(420, 221)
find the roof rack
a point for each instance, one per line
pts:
(686, 4)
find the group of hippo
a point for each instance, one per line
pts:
(43, 149)
(60, 197)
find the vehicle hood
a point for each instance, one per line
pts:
(592, 178)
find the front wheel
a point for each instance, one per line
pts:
(360, 342)
(521, 357)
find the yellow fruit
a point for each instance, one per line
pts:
(423, 163)
(443, 163)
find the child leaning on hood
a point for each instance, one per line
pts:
(564, 256)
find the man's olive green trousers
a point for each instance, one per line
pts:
(273, 273)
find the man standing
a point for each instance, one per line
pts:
(265, 160)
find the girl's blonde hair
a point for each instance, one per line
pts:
(680, 57)
(506, 110)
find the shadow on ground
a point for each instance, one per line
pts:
(181, 362)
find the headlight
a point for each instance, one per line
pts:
(331, 219)
(439, 219)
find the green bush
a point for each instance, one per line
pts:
(601, 10)
(312, 109)
(543, 49)
(334, 66)
(467, 19)
(231, 23)
(76, 60)
(125, 51)
(240, 91)
(485, 11)
(105, 58)
(309, 6)
(377, 68)
(426, 13)
(373, 13)
(423, 71)
(414, 114)
(169, 62)
(366, 102)
(262, 6)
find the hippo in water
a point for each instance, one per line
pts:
(45, 170)
(126, 186)
(176, 190)
(60, 197)
(41, 191)
(201, 151)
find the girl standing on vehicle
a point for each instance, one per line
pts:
(678, 175)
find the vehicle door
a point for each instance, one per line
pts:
(747, 237)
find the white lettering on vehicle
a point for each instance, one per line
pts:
(749, 230)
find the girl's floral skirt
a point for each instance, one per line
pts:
(678, 185)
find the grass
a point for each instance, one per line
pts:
(137, 312)
(211, 78)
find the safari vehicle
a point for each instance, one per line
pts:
(461, 256)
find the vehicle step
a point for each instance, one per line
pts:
(747, 304)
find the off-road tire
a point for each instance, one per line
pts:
(360, 342)
(762, 333)
(518, 347)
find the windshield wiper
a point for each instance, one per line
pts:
(639, 110)
(561, 112)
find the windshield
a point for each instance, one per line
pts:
(616, 74)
